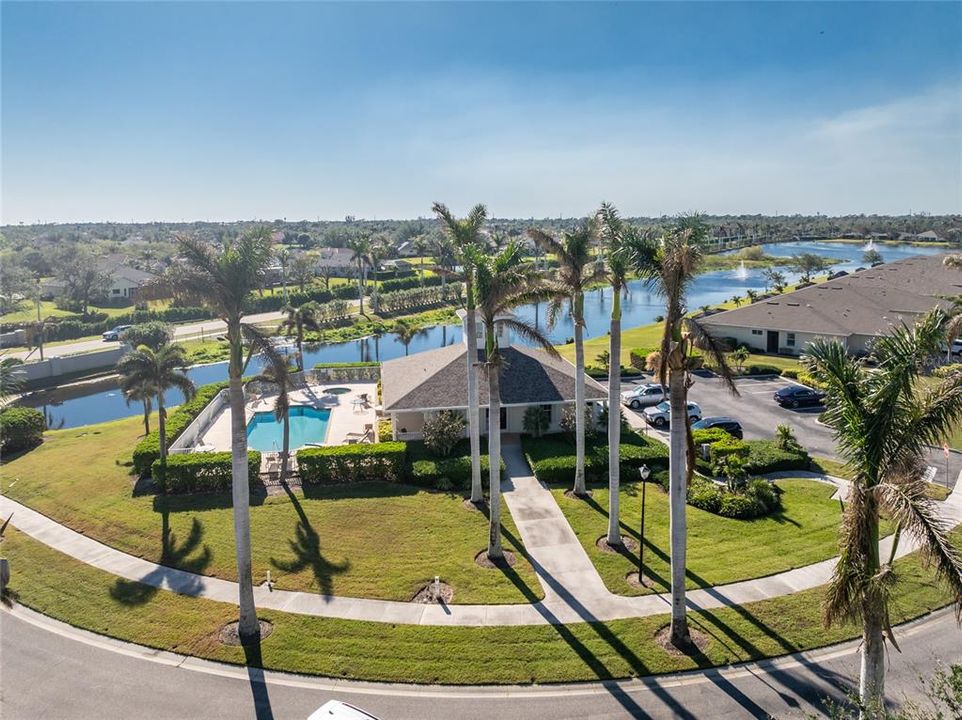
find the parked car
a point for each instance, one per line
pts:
(643, 396)
(116, 332)
(336, 710)
(956, 347)
(660, 414)
(798, 395)
(729, 425)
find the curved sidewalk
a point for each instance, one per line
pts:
(573, 590)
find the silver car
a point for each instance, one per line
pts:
(643, 396)
(660, 414)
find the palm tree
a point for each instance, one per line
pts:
(953, 330)
(752, 295)
(577, 272)
(614, 233)
(301, 318)
(502, 282)
(736, 300)
(225, 280)
(406, 332)
(953, 261)
(377, 250)
(671, 266)
(144, 395)
(11, 379)
(421, 246)
(360, 246)
(883, 420)
(280, 377)
(146, 371)
(465, 237)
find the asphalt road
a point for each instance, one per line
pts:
(52, 671)
(758, 414)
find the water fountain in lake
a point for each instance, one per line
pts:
(870, 245)
(741, 272)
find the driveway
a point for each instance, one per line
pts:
(759, 414)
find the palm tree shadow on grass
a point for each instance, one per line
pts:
(306, 547)
(179, 567)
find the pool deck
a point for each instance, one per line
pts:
(346, 416)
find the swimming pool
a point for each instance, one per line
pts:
(308, 425)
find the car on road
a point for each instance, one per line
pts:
(795, 396)
(956, 347)
(336, 710)
(643, 396)
(729, 425)
(660, 414)
(116, 332)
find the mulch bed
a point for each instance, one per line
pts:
(629, 545)
(572, 495)
(228, 633)
(632, 579)
(699, 642)
(426, 595)
(484, 561)
(481, 507)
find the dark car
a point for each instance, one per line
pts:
(729, 425)
(795, 396)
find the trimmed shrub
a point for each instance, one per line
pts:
(552, 457)
(739, 507)
(727, 447)
(200, 472)
(757, 499)
(148, 449)
(790, 373)
(352, 463)
(21, 428)
(704, 495)
(947, 370)
(366, 363)
(805, 378)
(427, 470)
(761, 369)
(709, 436)
(764, 456)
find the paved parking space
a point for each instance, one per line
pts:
(758, 413)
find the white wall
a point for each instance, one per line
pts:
(201, 424)
(760, 342)
(57, 366)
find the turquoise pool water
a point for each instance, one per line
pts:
(308, 425)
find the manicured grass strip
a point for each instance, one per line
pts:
(67, 590)
(377, 540)
(841, 470)
(720, 550)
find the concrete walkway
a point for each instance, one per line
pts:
(573, 590)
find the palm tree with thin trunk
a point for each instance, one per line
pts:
(280, 378)
(225, 279)
(11, 377)
(670, 266)
(578, 271)
(884, 419)
(503, 282)
(360, 246)
(143, 395)
(465, 239)
(300, 319)
(146, 371)
(406, 333)
(614, 232)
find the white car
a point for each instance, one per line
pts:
(336, 710)
(660, 414)
(956, 347)
(643, 396)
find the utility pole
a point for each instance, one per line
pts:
(39, 321)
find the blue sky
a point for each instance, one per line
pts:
(186, 111)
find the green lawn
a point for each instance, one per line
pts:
(61, 587)
(27, 311)
(372, 540)
(841, 470)
(720, 550)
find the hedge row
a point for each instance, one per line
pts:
(21, 428)
(99, 323)
(269, 303)
(452, 472)
(410, 282)
(148, 449)
(552, 457)
(201, 472)
(352, 463)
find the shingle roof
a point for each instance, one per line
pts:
(862, 303)
(438, 379)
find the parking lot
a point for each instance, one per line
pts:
(758, 414)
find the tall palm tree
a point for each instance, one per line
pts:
(577, 271)
(377, 250)
(300, 318)
(614, 233)
(146, 371)
(225, 280)
(465, 238)
(360, 246)
(883, 420)
(671, 266)
(280, 377)
(143, 395)
(421, 246)
(502, 282)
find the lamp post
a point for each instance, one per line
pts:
(645, 473)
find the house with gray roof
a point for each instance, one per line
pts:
(853, 309)
(417, 387)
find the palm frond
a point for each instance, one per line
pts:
(716, 349)
(530, 333)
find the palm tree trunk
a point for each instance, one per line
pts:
(872, 671)
(248, 627)
(614, 420)
(162, 427)
(360, 289)
(300, 351)
(285, 455)
(677, 494)
(146, 417)
(494, 461)
(579, 488)
(474, 429)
